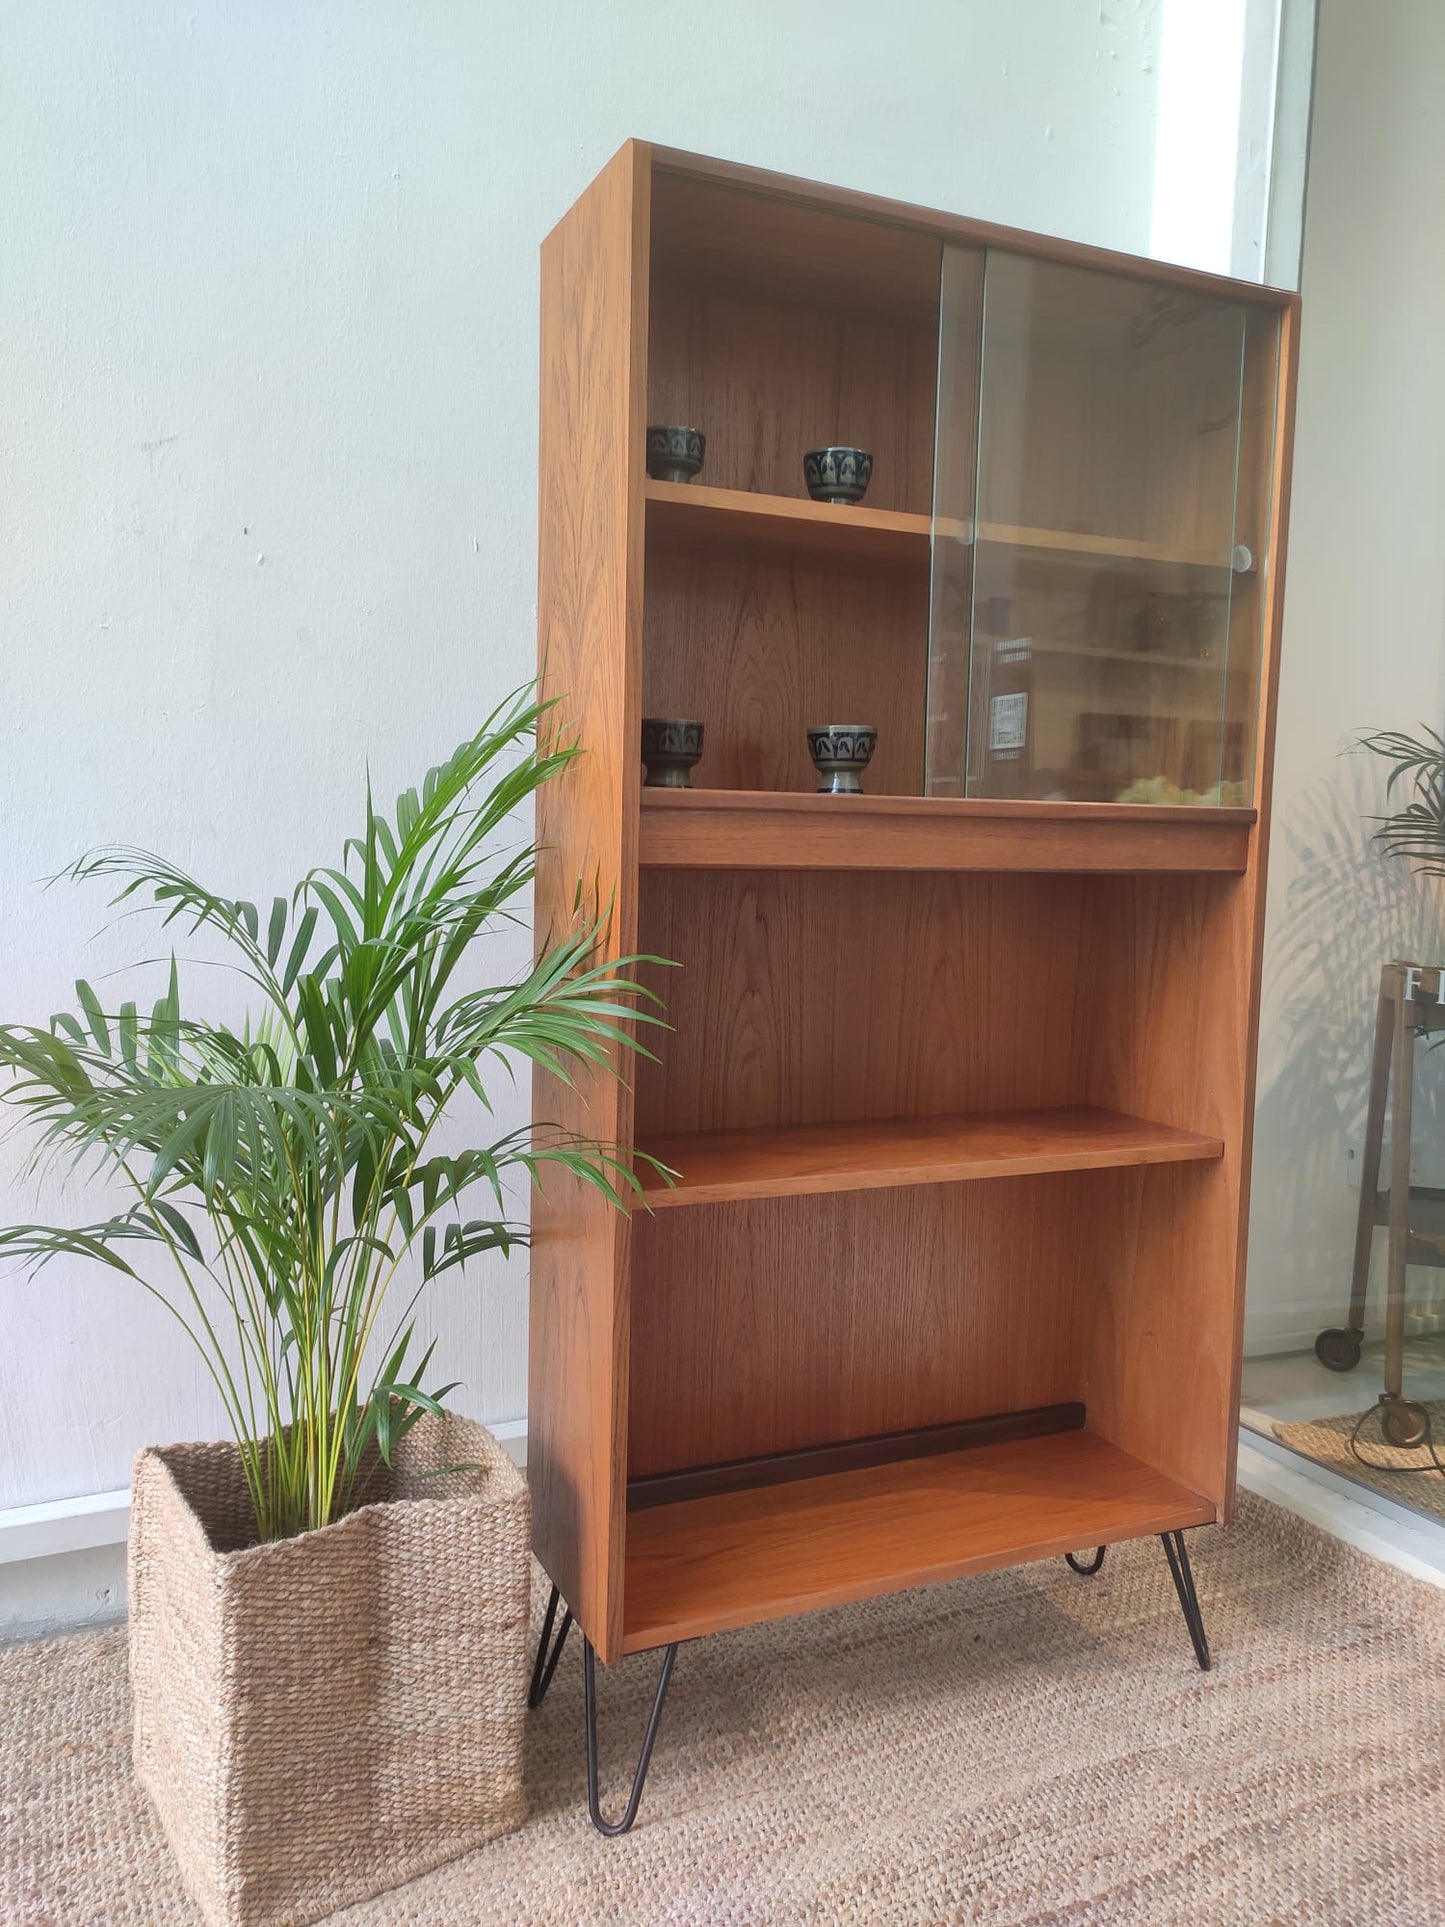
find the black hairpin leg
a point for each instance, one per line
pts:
(1177, 1554)
(589, 1674)
(1088, 1571)
(546, 1663)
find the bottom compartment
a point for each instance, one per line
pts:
(702, 1565)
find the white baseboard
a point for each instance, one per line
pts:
(512, 1433)
(63, 1525)
(1266, 1338)
(1344, 1508)
(62, 1562)
(64, 1592)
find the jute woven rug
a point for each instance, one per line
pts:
(1411, 1477)
(1022, 1747)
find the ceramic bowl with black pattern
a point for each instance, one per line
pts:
(670, 747)
(840, 753)
(674, 453)
(837, 474)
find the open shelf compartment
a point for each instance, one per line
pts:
(731, 1559)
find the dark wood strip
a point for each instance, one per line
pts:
(850, 1455)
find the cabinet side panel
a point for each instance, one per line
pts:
(1170, 971)
(589, 623)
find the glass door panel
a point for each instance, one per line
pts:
(1098, 568)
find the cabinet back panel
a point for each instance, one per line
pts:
(775, 1325)
(814, 997)
(760, 653)
(737, 240)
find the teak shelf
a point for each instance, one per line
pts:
(819, 534)
(712, 1166)
(705, 1565)
(696, 516)
(958, 1077)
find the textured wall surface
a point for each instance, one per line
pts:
(268, 310)
(1364, 647)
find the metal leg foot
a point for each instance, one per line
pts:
(546, 1663)
(589, 1674)
(1177, 1554)
(1088, 1571)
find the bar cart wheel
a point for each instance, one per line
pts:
(1404, 1423)
(1338, 1347)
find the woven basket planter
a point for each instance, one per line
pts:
(324, 1717)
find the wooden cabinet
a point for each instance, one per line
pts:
(959, 1080)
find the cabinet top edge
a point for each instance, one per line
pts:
(959, 227)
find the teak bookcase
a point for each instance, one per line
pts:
(958, 1086)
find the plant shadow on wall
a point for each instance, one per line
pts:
(279, 1174)
(1351, 904)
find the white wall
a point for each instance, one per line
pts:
(1364, 645)
(268, 320)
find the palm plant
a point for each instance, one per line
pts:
(281, 1172)
(1416, 831)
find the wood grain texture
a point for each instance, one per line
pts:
(746, 829)
(761, 653)
(594, 294)
(878, 1154)
(793, 1322)
(843, 537)
(727, 238)
(708, 1564)
(1160, 1338)
(798, 999)
(767, 376)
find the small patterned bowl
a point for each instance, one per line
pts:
(670, 747)
(674, 453)
(840, 753)
(837, 474)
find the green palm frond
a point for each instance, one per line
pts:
(280, 1174)
(1415, 831)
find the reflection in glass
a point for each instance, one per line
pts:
(1097, 537)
